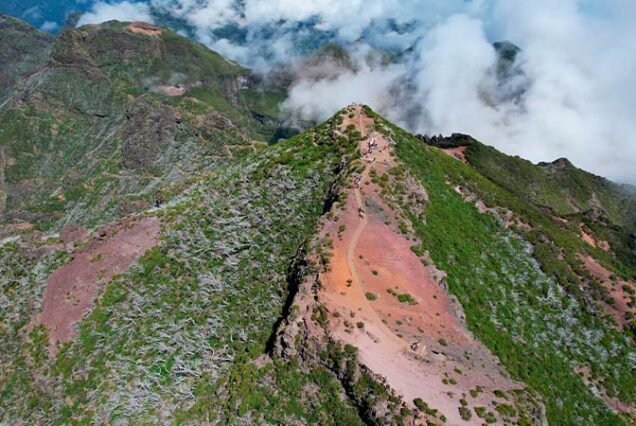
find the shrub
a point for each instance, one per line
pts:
(465, 413)
(406, 298)
(480, 411)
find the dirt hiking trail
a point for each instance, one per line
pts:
(385, 301)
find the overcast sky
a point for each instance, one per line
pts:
(577, 67)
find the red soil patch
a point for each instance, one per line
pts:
(506, 216)
(146, 29)
(621, 297)
(591, 240)
(16, 228)
(361, 121)
(458, 153)
(172, 90)
(72, 289)
(71, 235)
(413, 346)
(561, 220)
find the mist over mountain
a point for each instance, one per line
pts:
(432, 67)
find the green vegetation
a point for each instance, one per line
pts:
(406, 298)
(97, 137)
(403, 297)
(23, 49)
(465, 413)
(606, 208)
(423, 407)
(518, 309)
(195, 314)
(185, 336)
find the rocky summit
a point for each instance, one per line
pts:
(172, 252)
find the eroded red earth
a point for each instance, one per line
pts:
(421, 347)
(458, 153)
(591, 240)
(145, 29)
(72, 289)
(616, 288)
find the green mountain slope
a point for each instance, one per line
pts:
(116, 113)
(525, 291)
(178, 337)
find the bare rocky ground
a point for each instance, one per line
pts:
(457, 152)
(622, 291)
(393, 305)
(72, 289)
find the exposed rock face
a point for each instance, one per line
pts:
(145, 134)
(558, 165)
(23, 50)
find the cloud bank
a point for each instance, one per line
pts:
(123, 11)
(570, 91)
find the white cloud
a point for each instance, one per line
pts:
(49, 26)
(311, 99)
(124, 11)
(576, 62)
(581, 94)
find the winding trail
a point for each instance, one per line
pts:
(360, 206)
(398, 341)
(354, 240)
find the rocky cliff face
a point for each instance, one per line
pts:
(23, 50)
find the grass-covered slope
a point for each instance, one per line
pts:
(180, 338)
(560, 188)
(113, 116)
(523, 289)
